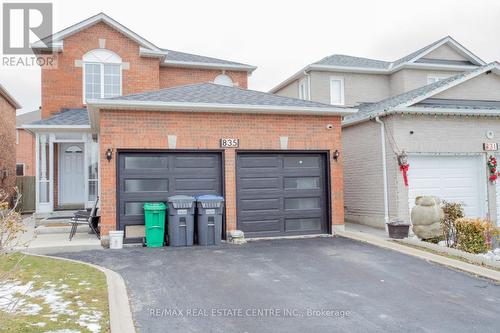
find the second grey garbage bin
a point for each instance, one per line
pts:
(209, 224)
(181, 220)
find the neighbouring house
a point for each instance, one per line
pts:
(439, 106)
(25, 143)
(134, 123)
(8, 107)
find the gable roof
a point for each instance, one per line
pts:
(28, 117)
(211, 97)
(401, 102)
(9, 98)
(416, 59)
(414, 56)
(55, 42)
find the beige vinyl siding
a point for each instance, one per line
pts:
(441, 135)
(363, 183)
(445, 52)
(290, 90)
(358, 88)
(483, 87)
(409, 79)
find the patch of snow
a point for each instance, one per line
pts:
(36, 276)
(64, 331)
(84, 283)
(91, 321)
(40, 324)
(11, 295)
(491, 255)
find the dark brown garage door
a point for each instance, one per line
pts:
(281, 194)
(153, 177)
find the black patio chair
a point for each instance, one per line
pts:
(88, 217)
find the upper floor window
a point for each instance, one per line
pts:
(337, 90)
(431, 78)
(224, 80)
(102, 74)
(303, 89)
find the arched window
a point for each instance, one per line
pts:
(102, 74)
(223, 80)
(73, 150)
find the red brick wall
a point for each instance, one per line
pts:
(146, 129)
(62, 86)
(7, 145)
(171, 77)
(25, 152)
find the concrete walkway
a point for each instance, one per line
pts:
(379, 237)
(35, 240)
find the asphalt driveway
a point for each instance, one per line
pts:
(305, 285)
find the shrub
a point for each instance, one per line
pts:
(474, 235)
(452, 212)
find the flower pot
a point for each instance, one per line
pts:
(398, 230)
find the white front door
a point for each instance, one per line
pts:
(451, 178)
(71, 173)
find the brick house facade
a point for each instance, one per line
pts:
(173, 109)
(8, 106)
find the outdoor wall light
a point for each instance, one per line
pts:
(109, 154)
(336, 155)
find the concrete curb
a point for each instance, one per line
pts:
(435, 258)
(120, 315)
(450, 251)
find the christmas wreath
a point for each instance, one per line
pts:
(492, 165)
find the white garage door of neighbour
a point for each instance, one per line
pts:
(451, 178)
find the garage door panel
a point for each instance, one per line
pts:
(195, 162)
(285, 200)
(258, 205)
(195, 184)
(255, 162)
(262, 225)
(259, 183)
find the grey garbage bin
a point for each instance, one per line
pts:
(209, 224)
(181, 220)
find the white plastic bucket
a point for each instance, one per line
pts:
(116, 239)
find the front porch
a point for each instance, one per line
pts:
(67, 162)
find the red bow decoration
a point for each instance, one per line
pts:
(404, 169)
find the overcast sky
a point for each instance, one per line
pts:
(281, 37)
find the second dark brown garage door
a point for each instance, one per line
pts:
(281, 194)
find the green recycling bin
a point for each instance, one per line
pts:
(154, 216)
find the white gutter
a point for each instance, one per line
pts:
(384, 166)
(289, 80)
(203, 107)
(9, 98)
(55, 127)
(193, 64)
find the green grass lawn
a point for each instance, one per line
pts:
(52, 295)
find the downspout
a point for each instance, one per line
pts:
(384, 166)
(308, 76)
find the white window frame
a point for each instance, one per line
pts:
(436, 77)
(342, 90)
(24, 168)
(17, 136)
(304, 89)
(101, 65)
